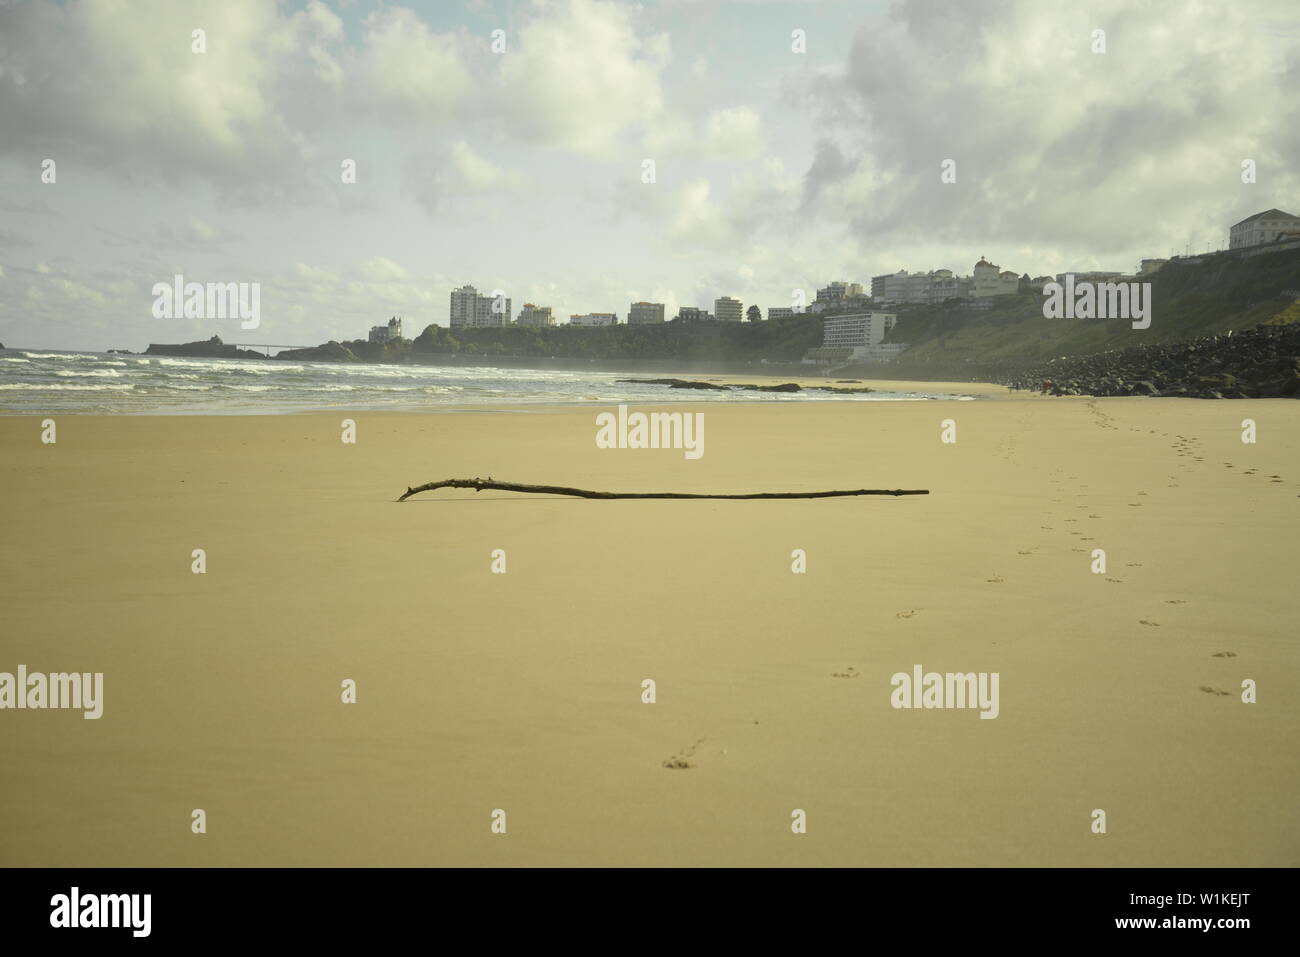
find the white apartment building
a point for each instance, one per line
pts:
(851, 332)
(856, 339)
(640, 313)
(594, 319)
(1266, 227)
(471, 310)
(923, 287)
(534, 315)
(727, 309)
(891, 287)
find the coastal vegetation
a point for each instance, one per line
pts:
(1196, 304)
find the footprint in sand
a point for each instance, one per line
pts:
(682, 758)
(1153, 624)
(1224, 654)
(1208, 690)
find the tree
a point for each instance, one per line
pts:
(754, 314)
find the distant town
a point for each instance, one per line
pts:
(857, 320)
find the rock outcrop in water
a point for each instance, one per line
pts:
(1263, 362)
(718, 387)
(213, 348)
(332, 351)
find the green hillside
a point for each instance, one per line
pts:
(1224, 292)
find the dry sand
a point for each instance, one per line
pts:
(522, 691)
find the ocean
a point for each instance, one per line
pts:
(49, 381)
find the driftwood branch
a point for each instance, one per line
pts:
(478, 485)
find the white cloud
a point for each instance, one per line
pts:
(1055, 146)
(476, 173)
(381, 269)
(90, 84)
(580, 74)
(407, 66)
(735, 133)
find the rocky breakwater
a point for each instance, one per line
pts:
(1263, 362)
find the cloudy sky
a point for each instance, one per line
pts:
(522, 169)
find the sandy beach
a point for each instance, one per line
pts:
(522, 691)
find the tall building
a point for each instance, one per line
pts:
(594, 319)
(727, 309)
(532, 315)
(469, 309)
(1266, 227)
(388, 333)
(463, 302)
(640, 313)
